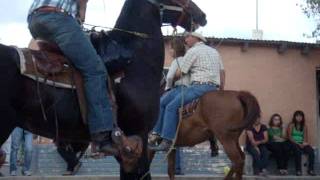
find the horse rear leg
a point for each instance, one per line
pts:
(231, 146)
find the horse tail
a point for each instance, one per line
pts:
(251, 109)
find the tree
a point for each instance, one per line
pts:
(312, 9)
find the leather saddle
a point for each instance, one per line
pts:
(189, 108)
(48, 57)
(45, 62)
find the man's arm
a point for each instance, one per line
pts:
(82, 9)
(222, 79)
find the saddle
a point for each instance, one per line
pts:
(189, 109)
(48, 57)
(45, 63)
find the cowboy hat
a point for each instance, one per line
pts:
(197, 35)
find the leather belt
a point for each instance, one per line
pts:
(203, 83)
(50, 9)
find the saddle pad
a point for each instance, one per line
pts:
(28, 69)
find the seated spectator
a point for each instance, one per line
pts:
(278, 144)
(298, 136)
(17, 137)
(257, 138)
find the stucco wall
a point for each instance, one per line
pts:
(282, 83)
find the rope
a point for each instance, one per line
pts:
(139, 34)
(174, 35)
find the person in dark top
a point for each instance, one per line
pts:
(257, 137)
(298, 136)
(278, 143)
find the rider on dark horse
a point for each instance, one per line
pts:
(59, 22)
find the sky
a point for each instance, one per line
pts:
(279, 19)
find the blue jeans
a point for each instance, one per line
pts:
(19, 135)
(178, 167)
(165, 99)
(65, 31)
(259, 160)
(169, 115)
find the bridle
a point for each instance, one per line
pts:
(182, 7)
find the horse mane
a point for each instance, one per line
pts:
(114, 55)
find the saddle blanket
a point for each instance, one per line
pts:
(28, 68)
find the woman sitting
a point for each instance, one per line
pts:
(257, 137)
(278, 144)
(298, 137)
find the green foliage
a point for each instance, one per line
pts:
(312, 9)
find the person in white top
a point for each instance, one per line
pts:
(204, 65)
(173, 86)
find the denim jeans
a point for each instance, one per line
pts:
(259, 160)
(178, 166)
(7, 148)
(169, 115)
(65, 31)
(298, 151)
(17, 137)
(165, 99)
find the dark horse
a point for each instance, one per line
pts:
(137, 93)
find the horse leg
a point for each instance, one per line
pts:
(233, 150)
(171, 164)
(214, 146)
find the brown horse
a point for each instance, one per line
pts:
(224, 114)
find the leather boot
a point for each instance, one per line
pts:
(163, 146)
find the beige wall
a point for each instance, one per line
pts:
(282, 83)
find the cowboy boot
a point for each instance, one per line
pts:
(163, 146)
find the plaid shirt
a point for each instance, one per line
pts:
(203, 63)
(70, 6)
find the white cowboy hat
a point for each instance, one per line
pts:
(197, 35)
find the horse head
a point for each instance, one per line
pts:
(183, 13)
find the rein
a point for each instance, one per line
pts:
(162, 7)
(139, 34)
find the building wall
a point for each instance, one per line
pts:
(282, 83)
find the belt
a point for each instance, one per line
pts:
(50, 9)
(203, 83)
